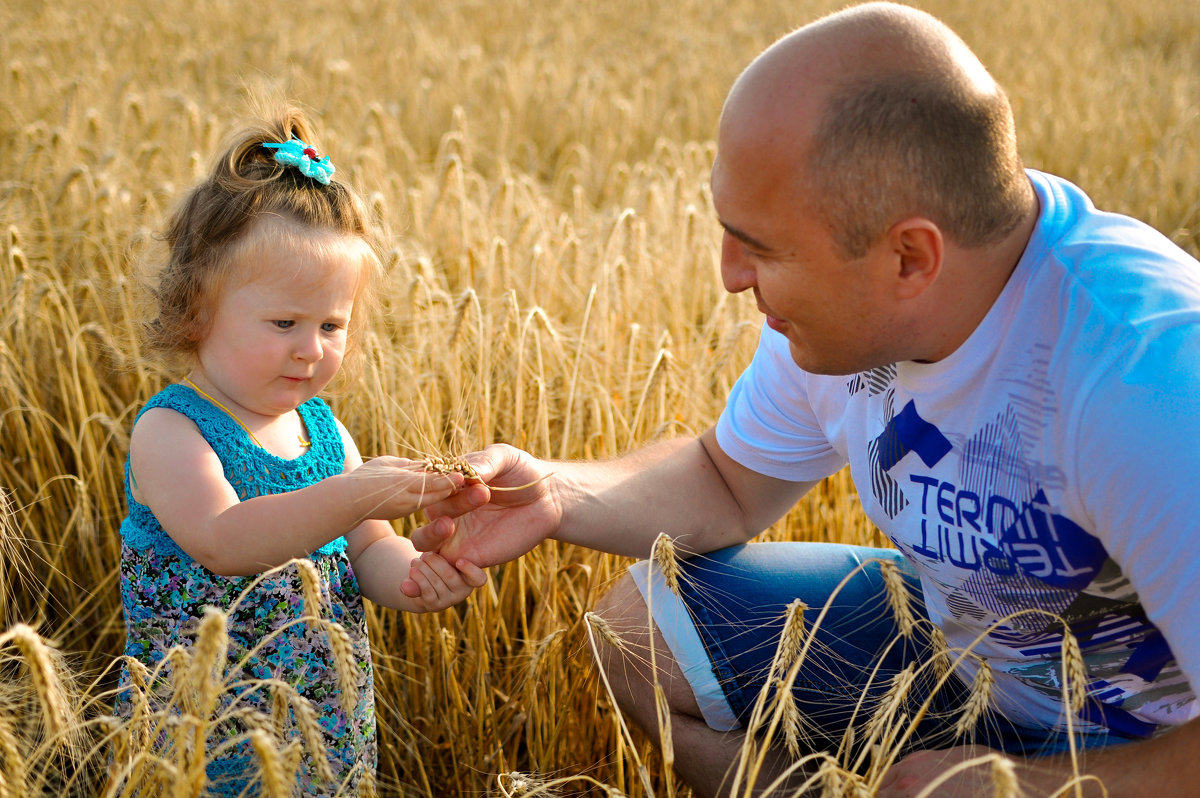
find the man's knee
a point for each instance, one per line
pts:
(624, 635)
(621, 625)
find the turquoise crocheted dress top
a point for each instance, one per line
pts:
(164, 593)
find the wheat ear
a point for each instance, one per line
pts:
(274, 781)
(977, 701)
(667, 558)
(898, 597)
(43, 675)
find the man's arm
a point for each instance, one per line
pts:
(1163, 766)
(688, 489)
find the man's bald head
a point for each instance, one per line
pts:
(878, 113)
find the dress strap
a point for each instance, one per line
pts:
(231, 414)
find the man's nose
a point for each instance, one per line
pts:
(737, 273)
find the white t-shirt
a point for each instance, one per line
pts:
(1046, 465)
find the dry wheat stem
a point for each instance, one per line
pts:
(791, 641)
(666, 741)
(887, 721)
(931, 789)
(514, 784)
(871, 748)
(825, 770)
(591, 620)
(1074, 685)
(1004, 778)
(345, 662)
(13, 770)
(750, 749)
(943, 677)
(209, 655)
(666, 557)
(977, 700)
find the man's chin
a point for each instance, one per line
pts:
(815, 365)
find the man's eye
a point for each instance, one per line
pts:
(284, 324)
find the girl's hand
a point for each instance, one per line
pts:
(393, 487)
(436, 584)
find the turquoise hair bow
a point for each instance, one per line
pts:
(298, 154)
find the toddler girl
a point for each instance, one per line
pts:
(240, 467)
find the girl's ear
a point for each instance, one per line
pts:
(198, 328)
(919, 249)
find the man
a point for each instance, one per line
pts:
(1013, 378)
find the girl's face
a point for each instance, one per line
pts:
(276, 340)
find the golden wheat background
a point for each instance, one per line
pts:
(540, 169)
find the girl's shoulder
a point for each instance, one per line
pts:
(169, 409)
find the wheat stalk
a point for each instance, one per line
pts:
(346, 663)
(12, 771)
(664, 554)
(271, 770)
(43, 675)
(898, 597)
(208, 660)
(1074, 674)
(792, 638)
(977, 701)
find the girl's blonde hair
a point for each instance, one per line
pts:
(208, 231)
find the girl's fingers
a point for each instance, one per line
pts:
(435, 592)
(438, 565)
(417, 576)
(443, 484)
(472, 573)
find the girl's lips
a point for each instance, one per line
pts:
(776, 324)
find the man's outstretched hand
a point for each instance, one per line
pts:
(487, 523)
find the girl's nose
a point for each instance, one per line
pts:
(308, 347)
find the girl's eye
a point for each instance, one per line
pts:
(284, 324)
(330, 327)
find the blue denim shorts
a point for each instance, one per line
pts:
(725, 627)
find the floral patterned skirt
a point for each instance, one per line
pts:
(278, 670)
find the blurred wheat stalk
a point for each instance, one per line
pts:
(541, 171)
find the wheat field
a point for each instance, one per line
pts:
(539, 169)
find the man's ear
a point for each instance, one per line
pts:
(918, 247)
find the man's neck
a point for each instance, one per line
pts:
(977, 280)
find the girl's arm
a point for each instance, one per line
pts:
(391, 572)
(178, 476)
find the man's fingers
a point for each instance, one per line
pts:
(473, 495)
(431, 536)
